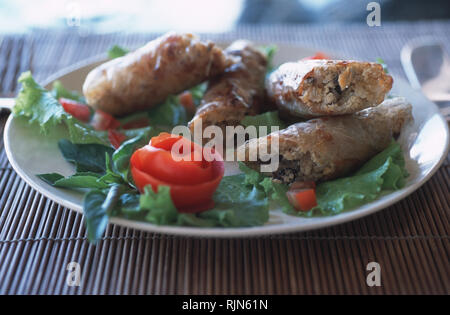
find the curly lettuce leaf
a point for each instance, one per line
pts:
(238, 204)
(40, 106)
(37, 104)
(159, 206)
(58, 91)
(385, 171)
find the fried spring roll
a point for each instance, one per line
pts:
(141, 79)
(236, 93)
(330, 147)
(313, 88)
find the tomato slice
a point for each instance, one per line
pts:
(78, 110)
(104, 121)
(116, 138)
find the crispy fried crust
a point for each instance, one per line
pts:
(239, 91)
(145, 77)
(313, 88)
(330, 147)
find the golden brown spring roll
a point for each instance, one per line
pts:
(236, 93)
(330, 147)
(313, 88)
(141, 79)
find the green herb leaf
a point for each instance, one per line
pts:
(86, 157)
(97, 207)
(170, 113)
(381, 62)
(121, 157)
(95, 215)
(78, 180)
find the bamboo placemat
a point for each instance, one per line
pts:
(39, 238)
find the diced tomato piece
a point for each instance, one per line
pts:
(317, 55)
(116, 138)
(187, 101)
(78, 110)
(303, 199)
(104, 121)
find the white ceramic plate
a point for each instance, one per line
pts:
(425, 144)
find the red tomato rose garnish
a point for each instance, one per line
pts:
(192, 183)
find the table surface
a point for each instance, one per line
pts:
(39, 238)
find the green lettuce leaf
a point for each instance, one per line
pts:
(385, 171)
(37, 104)
(273, 190)
(267, 119)
(40, 106)
(237, 204)
(159, 206)
(59, 91)
(117, 51)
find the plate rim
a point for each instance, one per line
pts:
(221, 232)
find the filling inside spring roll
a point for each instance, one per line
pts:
(337, 86)
(325, 87)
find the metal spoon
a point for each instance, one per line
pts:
(427, 67)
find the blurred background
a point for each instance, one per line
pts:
(18, 16)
